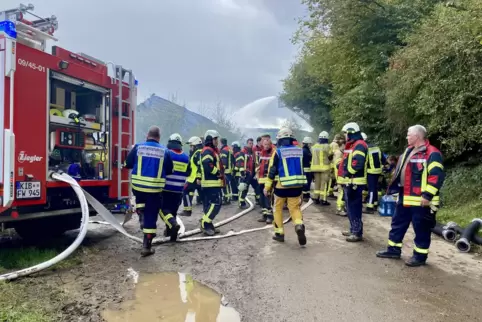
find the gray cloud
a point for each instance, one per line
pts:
(234, 51)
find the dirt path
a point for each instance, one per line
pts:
(266, 281)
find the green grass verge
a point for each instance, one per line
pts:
(461, 196)
(16, 305)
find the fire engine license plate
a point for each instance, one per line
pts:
(28, 189)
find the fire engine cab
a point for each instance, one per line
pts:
(59, 111)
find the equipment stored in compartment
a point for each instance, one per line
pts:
(70, 139)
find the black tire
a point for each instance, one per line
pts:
(47, 228)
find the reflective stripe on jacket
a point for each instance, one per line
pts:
(263, 168)
(180, 166)
(211, 168)
(227, 159)
(424, 175)
(375, 165)
(353, 167)
(195, 164)
(148, 173)
(320, 161)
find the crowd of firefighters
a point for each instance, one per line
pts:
(281, 174)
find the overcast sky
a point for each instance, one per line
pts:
(233, 51)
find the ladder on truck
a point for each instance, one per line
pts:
(124, 114)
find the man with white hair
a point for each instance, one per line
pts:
(418, 178)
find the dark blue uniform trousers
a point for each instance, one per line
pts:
(422, 220)
(372, 198)
(152, 204)
(354, 206)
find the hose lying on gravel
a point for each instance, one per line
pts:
(450, 230)
(80, 237)
(85, 198)
(446, 232)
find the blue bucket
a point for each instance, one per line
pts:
(387, 205)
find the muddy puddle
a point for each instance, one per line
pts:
(172, 297)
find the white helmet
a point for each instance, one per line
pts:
(323, 135)
(175, 137)
(284, 133)
(194, 140)
(70, 113)
(351, 127)
(307, 140)
(236, 144)
(364, 136)
(212, 133)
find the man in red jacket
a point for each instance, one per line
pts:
(262, 174)
(245, 162)
(418, 178)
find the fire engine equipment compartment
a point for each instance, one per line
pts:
(78, 128)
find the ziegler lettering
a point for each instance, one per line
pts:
(24, 63)
(24, 157)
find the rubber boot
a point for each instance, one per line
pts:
(414, 262)
(269, 219)
(300, 231)
(279, 238)
(186, 213)
(316, 201)
(243, 205)
(354, 238)
(325, 203)
(388, 254)
(147, 245)
(263, 218)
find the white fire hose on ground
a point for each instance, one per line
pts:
(85, 198)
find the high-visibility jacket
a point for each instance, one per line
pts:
(211, 168)
(245, 162)
(263, 167)
(375, 162)
(257, 151)
(150, 162)
(227, 157)
(307, 156)
(320, 157)
(195, 165)
(286, 167)
(424, 175)
(180, 170)
(353, 167)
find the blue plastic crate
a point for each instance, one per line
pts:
(387, 205)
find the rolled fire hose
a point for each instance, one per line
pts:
(106, 215)
(67, 252)
(445, 231)
(463, 244)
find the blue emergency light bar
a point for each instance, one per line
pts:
(8, 27)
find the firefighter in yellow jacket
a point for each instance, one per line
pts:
(321, 168)
(286, 168)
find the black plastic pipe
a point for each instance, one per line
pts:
(447, 232)
(467, 235)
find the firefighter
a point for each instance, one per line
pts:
(212, 181)
(376, 160)
(334, 146)
(262, 173)
(418, 178)
(337, 157)
(171, 196)
(246, 167)
(193, 181)
(286, 167)
(321, 167)
(150, 163)
(307, 156)
(228, 164)
(236, 147)
(257, 150)
(353, 169)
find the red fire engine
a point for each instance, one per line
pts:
(59, 111)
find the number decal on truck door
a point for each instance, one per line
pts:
(24, 63)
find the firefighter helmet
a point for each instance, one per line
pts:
(364, 136)
(307, 140)
(236, 144)
(176, 137)
(195, 140)
(71, 114)
(351, 127)
(284, 133)
(212, 133)
(323, 135)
